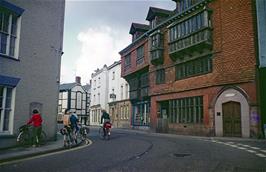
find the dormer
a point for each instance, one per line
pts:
(136, 30)
(157, 15)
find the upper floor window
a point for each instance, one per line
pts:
(99, 81)
(5, 108)
(195, 67)
(9, 29)
(189, 26)
(183, 5)
(144, 80)
(113, 77)
(156, 41)
(127, 61)
(140, 54)
(126, 91)
(160, 76)
(153, 23)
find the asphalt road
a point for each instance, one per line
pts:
(137, 151)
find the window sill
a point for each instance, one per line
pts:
(6, 135)
(9, 57)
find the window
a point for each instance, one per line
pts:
(5, 108)
(183, 5)
(187, 27)
(153, 23)
(196, 67)
(78, 100)
(99, 98)
(140, 55)
(99, 81)
(9, 21)
(122, 90)
(160, 76)
(126, 91)
(127, 61)
(186, 110)
(113, 78)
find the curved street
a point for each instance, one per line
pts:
(130, 150)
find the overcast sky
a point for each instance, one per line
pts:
(96, 30)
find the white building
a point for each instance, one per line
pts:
(118, 99)
(99, 94)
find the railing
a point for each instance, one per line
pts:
(200, 39)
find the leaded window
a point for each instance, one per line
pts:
(186, 110)
(140, 55)
(195, 67)
(160, 76)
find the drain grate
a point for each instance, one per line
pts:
(181, 155)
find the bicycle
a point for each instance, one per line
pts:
(71, 137)
(105, 131)
(25, 137)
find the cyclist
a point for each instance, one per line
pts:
(106, 119)
(66, 131)
(36, 119)
(74, 125)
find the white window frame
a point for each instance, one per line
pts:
(11, 115)
(17, 35)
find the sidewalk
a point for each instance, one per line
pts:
(24, 152)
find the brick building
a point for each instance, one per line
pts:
(201, 65)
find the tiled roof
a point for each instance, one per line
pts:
(137, 26)
(153, 11)
(67, 86)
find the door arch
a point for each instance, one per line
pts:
(227, 100)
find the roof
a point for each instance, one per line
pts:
(153, 11)
(138, 27)
(67, 86)
(86, 87)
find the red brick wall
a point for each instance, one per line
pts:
(134, 67)
(233, 46)
(209, 97)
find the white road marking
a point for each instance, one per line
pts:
(261, 155)
(251, 151)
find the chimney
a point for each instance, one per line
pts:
(78, 79)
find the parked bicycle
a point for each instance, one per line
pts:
(105, 131)
(25, 136)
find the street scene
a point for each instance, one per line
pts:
(122, 85)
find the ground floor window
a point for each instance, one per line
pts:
(5, 108)
(141, 113)
(186, 110)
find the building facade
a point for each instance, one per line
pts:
(87, 88)
(30, 58)
(99, 94)
(118, 99)
(202, 69)
(73, 96)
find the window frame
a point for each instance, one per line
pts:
(6, 128)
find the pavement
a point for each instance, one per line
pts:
(17, 153)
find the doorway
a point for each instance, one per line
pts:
(231, 119)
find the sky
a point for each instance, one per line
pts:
(96, 30)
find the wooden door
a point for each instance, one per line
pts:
(231, 119)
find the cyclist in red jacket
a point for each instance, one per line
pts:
(36, 119)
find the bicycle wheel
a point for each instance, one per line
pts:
(43, 138)
(23, 139)
(101, 133)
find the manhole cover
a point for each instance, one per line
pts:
(178, 155)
